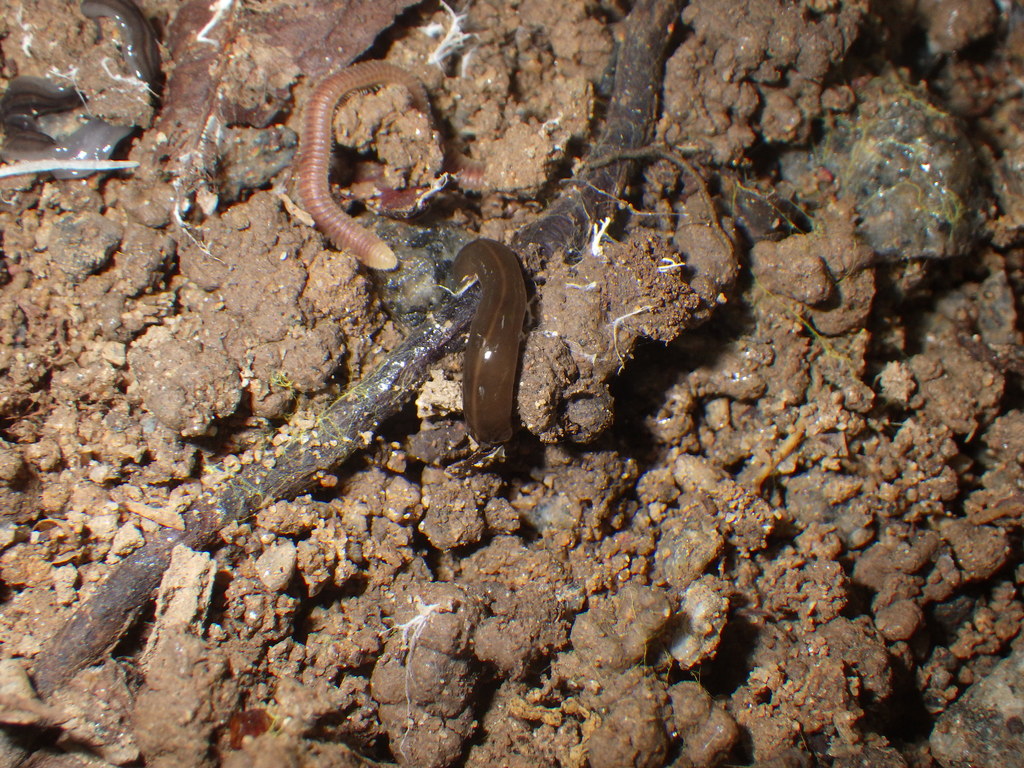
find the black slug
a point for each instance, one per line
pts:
(27, 98)
(96, 140)
(139, 45)
(492, 351)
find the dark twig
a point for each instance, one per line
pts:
(677, 159)
(632, 111)
(287, 471)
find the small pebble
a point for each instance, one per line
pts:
(276, 566)
(699, 623)
(911, 172)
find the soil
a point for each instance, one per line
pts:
(764, 502)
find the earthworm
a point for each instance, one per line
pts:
(315, 154)
(141, 52)
(492, 351)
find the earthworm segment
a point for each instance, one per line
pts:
(315, 142)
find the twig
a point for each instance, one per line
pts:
(632, 109)
(293, 467)
(677, 159)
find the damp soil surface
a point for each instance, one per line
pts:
(763, 503)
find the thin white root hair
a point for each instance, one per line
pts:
(454, 40)
(598, 233)
(181, 206)
(439, 185)
(411, 631)
(667, 265)
(616, 324)
(28, 36)
(413, 628)
(220, 9)
(467, 57)
(71, 76)
(133, 83)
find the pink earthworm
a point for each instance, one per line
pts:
(315, 154)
